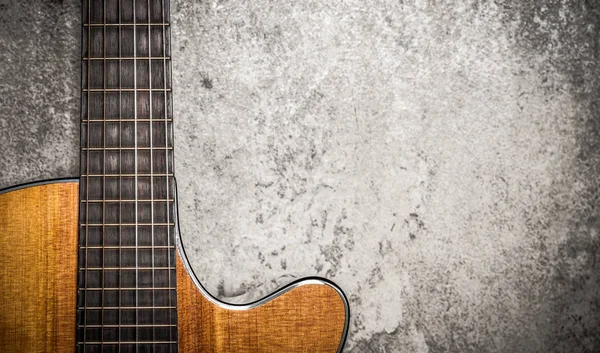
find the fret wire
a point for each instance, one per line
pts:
(127, 224)
(132, 342)
(124, 308)
(127, 288)
(127, 120)
(149, 268)
(126, 175)
(124, 24)
(142, 325)
(127, 148)
(128, 58)
(127, 89)
(109, 247)
(129, 200)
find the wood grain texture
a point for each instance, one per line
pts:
(38, 268)
(308, 318)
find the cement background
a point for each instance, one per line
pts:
(438, 160)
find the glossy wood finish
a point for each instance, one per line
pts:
(308, 318)
(38, 268)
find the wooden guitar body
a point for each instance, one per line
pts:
(38, 287)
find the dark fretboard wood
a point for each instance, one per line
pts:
(127, 281)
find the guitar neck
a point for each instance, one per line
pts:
(126, 245)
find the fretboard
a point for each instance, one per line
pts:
(127, 282)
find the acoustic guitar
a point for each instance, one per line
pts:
(96, 264)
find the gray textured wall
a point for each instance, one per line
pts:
(439, 160)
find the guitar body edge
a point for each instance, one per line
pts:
(38, 285)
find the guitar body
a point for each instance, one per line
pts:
(38, 290)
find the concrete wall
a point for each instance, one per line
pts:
(439, 160)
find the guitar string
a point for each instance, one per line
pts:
(166, 116)
(149, 41)
(120, 43)
(87, 184)
(103, 167)
(135, 115)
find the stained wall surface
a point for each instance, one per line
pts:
(439, 160)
